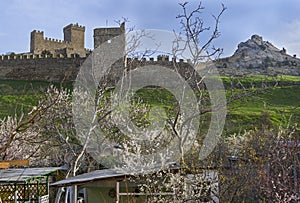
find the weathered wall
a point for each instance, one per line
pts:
(34, 67)
(45, 69)
(186, 71)
(102, 35)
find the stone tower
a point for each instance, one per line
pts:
(102, 35)
(106, 37)
(74, 33)
(36, 41)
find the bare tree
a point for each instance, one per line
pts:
(179, 126)
(194, 29)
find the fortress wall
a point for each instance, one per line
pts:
(39, 43)
(54, 44)
(38, 67)
(45, 69)
(184, 68)
(54, 67)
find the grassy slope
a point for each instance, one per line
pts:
(280, 102)
(18, 96)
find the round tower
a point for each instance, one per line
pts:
(102, 35)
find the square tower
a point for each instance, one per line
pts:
(36, 42)
(74, 33)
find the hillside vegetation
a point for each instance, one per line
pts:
(278, 96)
(20, 96)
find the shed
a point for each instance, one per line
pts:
(26, 184)
(112, 185)
(107, 185)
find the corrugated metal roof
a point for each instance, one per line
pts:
(91, 176)
(109, 173)
(24, 174)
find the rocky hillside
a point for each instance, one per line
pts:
(257, 56)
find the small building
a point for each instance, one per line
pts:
(108, 185)
(27, 184)
(114, 186)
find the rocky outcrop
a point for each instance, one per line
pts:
(257, 56)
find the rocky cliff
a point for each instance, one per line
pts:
(257, 56)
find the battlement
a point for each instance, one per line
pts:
(56, 60)
(110, 30)
(107, 30)
(38, 31)
(158, 60)
(56, 40)
(36, 56)
(75, 26)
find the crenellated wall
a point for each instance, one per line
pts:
(38, 67)
(36, 56)
(184, 68)
(56, 60)
(59, 68)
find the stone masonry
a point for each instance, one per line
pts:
(73, 42)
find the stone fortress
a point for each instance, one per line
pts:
(53, 59)
(73, 42)
(60, 60)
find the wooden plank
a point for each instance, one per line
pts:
(7, 164)
(19, 162)
(4, 164)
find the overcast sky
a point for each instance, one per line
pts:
(277, 21)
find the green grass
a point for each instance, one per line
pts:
(260, 78)
(15, 104)
(19, 96)
(157, 97)
(280, 102)
(258, 81)
(23, 87)
(277, 99)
